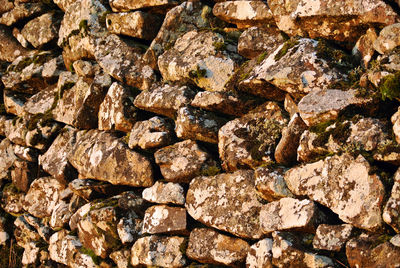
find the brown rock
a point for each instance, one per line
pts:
(60, 216)
(123, 5)
(165, 193)
(93, 189)
(23, 174)
(8, 157)
(163, 219)
(388, 38)
(364, 48)
(26, 153)
(10, 48)
(14, 102)
(121, 258)
(5, 6)
(260, 254)
(12, 199)
(270, 184)
(22, 11)
(129, 228)
(391, 211)
(42, 29)
(332, 237)
(42, 101)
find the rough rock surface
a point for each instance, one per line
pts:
(123, 5)
(8, 157)
(270, 183)
(21, 11)
(41, 30)
(165, 193)
(391, 211)
(388, 38)
(10, 48)
(164, 219)
(260, 254)
(332, 237)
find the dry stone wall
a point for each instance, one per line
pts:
(171, 133)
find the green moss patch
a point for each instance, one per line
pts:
(390, 87)
(291, 43)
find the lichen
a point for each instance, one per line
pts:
(37, 59)
(89, 252)
(390, 86)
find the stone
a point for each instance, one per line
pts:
(64, 4)
(391, 210)
(93, 189)
(86, 68)
(196, 124)
(60, 216)
(185, 160)
(22, 11)
(129, 228)
(388, 38)
(14, 102)
(153, 133)
(156, 250)
(117, 110)
(364, 48)
(136, 24)
(260, 254)
(209, 246)
(41, 228)
(8, 157)
(99, 155)
(259, 40)
(164, 219)
(270, 183)
(227, 202)
(121, 258)
(4, 236)
(30, 254)
(396, 125)
(10, 48)
(26, 153)
(42, 197)
(41, 30)
(165, 193)
(123, 5)
(165, 99)
(23, 174)
(343, 184)
(12, 199)
(21, 39)
(42, 101)
(332, 237)
(395, 240)
(202, 58)
(24, 232)
(244, 14)
(250, 140)
(6, 6)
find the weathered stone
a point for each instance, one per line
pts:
(364, 48)
(227, 202)
(23, 174)
(260, 254)
(7, 156)
(270, 184)
(30, 254)
(10, 48)
(391, 211)
(42, 101)
(42, 30)
(79, 214)
(209, 246)
(196, 124)
(11, 200)
(165, 193)
(93, 189)
(159, 251)
(164, 219)
(42, 228)
(135, 24)
(86, 68)
(250, 140)
(60, 216)
(21, 39)
(123, 5)
(42, 197)
(388, 38)
(153, 133)
(258, 40)
(129, 228)
(200, 57)
(5, 6)
(244, 13)
(4, 236)
(14, 102)
(22, 11)
(395, 240)
(185, 160)
(121, 258)
(64, 4)
(24, 232)
(396, 125)
(117, 110)
(332, 237)
(26, 153)
(99, 155)
(343, 184)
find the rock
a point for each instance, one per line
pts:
(165, 193)
(165, 100)
(10, 48)
(227, 202)
(64, 4)
(164, 219)
(42, 228)
(159, 251)
(396, 125)
(6, 6)
(99, 155)
(195, 124)
(260, 254)
(43, 196)
(201, 57)
(270, 184)
(117, 110)
(86, 68)
(129, 228)
(123, 5)
(391, 210)
(14, 102)
(244, 13)
(21, 39)
(26, 153)
(136, 24)
(41, 30)
(259, 40)
(8, 157)
(395, 240)
(343, 184)
(332, 237)
(60, 216)
(93, 189)
(388, 38)
(4, 236)
(42, 101)
(153, 133)
(11, 200)
(22, 11)
(209, 246)
(185, 160)
(121, 258)
(23, 174)
(24, 232)
(364, 48)
(250, 140)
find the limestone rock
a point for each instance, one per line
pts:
(42, 29)
(23, 174)
(93, 189)
(165, 193)
(270, 184)
(332, 237)
(185, 160)
(388, 38)
(391, 211)
(8, 157)
(209, 246)
(60, 216)
(24, 232)
(5, 6)
(99, 155)
(165, 99)
(10, 48)
(159, 251)
(343, 184)
(260, 254)
(153, 133)
(26, 153)
(227, 202)
(14, 102)
(12, 199)
(42, 101)
(22, 11)
(86, 68)
(21, 39)
(250, 140)
(63, 4)
(396, 125)
(30, 254)
(164, 219)
(121, 258)
(364, 47)
(129, 228)
(41, 227)
(123, 5)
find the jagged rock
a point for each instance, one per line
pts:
(14, 102)
(340, 21)
(22, 11)
(3, 120)
(79, 214)
(185, 160)
(30, 254)
(287, 251)
(364, 48)
(257, 40)
(93, 189)
(200, 57)
(343, 184)
(26, 153)
(244, 13)
(196, 124)
(123, 62)
(86, 68)
(10, 48)
(23, 174)
(24, 232)
(396, 125)
(130, 201)
(4, 236)
(260, 254)
(42, 101)
(165, 193)
(388, 38)
(250, 140)
(153, 133)
(123, 5)
(270, 184)
(42, 197)
(5, 6)
(209, 246)
(42, 228)
(165, 99)
(117, 110)
(41, 30)
(164, 219)
(159, 251)
(8, 157)
(227, 202)
(60, 216)
(129, 228)
(298, 66)
(121, 258)
(101, 156)
(135, 24)
(391, 211)
(11, 200)
(332, 237)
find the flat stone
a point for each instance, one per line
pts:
(227, 202)
(8, 157)
(388, 38)
(64, 4)
(41, 227)
(209, 246)
(260, 254)
(164, 219)
(41, 30)
(93, 189)
(22, 11)
(24, 232)
(86, 68)
(270, 183)
(165, 193)
(123, 5)
(185, 160)
(10, 48)
(60, 216)
(391, 210)
(332, 237)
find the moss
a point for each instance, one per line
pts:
(64, 87)
(83, 26)
(183, 247)
(198, 73)
(390, 87)
(219, 45)
(335, 58)
(42, 119)
(380, 240)
(321, 127)
(37, 59)
(2, 109)
(285, 48)
(89, 252)
(210, 171)
(261, 57)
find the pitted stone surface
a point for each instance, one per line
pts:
(8, 157)
(388, 38)
(22, 11)
(332, 237)
(165, 193)
(164, 219)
